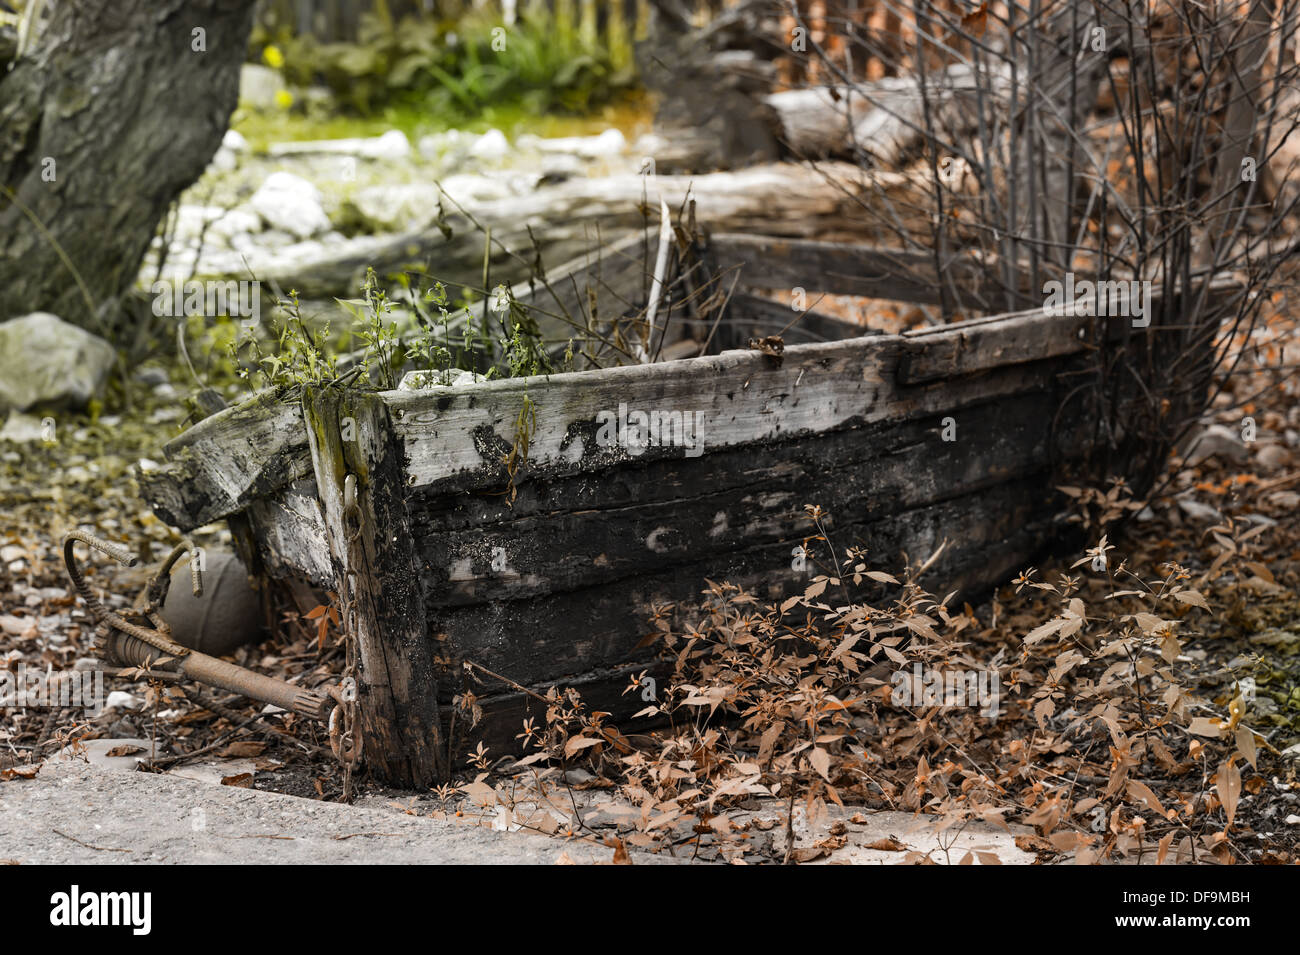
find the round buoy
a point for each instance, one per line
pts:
(228, 615)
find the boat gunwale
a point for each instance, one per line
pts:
(917, 357)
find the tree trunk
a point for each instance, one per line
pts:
(119, 109)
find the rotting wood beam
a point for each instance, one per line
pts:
(843, 269)
(374, 565)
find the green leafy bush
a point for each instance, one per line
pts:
(457, 70)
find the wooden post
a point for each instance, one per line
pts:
(351, 434)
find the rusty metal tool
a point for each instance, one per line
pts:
(146, 641)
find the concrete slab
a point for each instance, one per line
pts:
(74, 813)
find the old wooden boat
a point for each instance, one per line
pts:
(953, 433)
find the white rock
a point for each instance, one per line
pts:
(49, 362)
(439, 145)
(234, 223)
(561, 166)
(259, 86)
(234, 141)
(223, 160)
(291, 204)
(244, 243)
(392, 145)
(492, 145)
(397, 208)
(467, 187)
(648, 144)
(190, 219)
(95, 752)
(276, 239)
(22, 428)
(1216, 441)
(1198, 511)
(1293, 820)
(118, 700)
(609, 143)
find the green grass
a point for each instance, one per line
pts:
(630, 114)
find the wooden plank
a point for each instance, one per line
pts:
(613, 279)
(567, 533)
(456, 438)
(947, 352)
(749, 316)
(843, 269)
(228, 460)
(595, 287)
(545, 637)
(977, 345)
(375, 569)
(254, 449)
(291, 533)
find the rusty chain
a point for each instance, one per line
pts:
(344, 724)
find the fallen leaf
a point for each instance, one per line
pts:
(1141, 792)
(620, 852)
(887, 844)
(1228, 786)
(242, 749)
(809, 853)
(773, 346)
(976, 22)
(1163, 849)
(1034, 844)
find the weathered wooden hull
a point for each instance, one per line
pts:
(956, 434)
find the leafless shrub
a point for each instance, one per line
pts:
(1109, 141)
